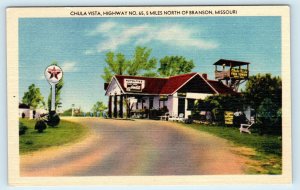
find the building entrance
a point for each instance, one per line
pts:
(181, 105)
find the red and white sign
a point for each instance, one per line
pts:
(134, 85)
(53, 74)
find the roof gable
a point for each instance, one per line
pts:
(175, 82)
(197, 84)
(114, 87)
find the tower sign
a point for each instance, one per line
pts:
(232, 73)
(53, 74)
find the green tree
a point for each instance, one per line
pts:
(174, 65)
(220, 103)
(260, 86)
(67, 112)
(58, 88)
(141, 63)
(264, 93)
(98, 106)
(33, 97)
(116, 65)
(150, 74)
(269, 117)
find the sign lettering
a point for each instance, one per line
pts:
(228, 116)
(134, 85)
(238, 73)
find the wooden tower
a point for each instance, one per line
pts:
(231, 73)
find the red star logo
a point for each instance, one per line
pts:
(53, 72)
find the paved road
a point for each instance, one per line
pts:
(141, 147)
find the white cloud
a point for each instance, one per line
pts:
(69, 66)
(180, 36)
(42, 77)
(118, 34)
(103, 28)
(90, 52)
(116, 39)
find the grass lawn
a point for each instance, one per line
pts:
(65, 132)
(268, 148)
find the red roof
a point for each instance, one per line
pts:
(166, 86)
(220, 87)
(175, 82)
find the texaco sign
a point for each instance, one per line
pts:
(53, 74)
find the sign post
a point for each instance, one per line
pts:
(53, 74)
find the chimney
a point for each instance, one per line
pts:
(204, 75)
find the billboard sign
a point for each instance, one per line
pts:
(238, 73)
(228, 116)
(134, 85)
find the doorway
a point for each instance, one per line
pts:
(181, 105)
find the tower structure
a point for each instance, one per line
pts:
(232, 73)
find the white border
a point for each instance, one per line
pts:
(12, 101)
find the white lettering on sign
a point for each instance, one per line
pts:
(134, 85)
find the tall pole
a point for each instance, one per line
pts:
(115, 106)
(121, 106)
(53, 97)
(73, 109)
(109, 106)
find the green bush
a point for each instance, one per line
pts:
(269, 117)
(53, 119)
(29, 142)
(40, 126)
(217, 104)
(22, 129)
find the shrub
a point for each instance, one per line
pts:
(40, 126)
(22, 129)
(53, 119)
(269, 117)
(29, 142)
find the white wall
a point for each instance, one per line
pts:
(113, 88)
(156, 102)
(175, 105)
(28, 113)
(187, 112)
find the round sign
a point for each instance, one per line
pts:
(53, 74)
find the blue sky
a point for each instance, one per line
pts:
(79, 46)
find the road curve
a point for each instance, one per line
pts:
(140, 147)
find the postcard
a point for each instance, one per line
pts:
(170, 95)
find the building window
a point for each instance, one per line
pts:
(190, 104)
